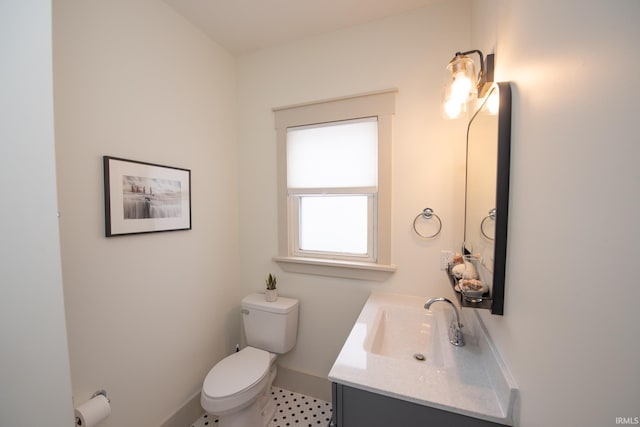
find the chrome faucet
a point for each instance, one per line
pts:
(455, 327)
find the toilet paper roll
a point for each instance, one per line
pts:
(90, 413)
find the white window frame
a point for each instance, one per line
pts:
(378, 267)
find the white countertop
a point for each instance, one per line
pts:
(470, 380)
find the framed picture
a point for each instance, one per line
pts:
(142, 197)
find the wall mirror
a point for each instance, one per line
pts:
(487, 192)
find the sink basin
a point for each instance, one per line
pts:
(403, 333)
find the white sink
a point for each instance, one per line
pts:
(379, 356)
(404, 333)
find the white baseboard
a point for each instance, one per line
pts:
(187, 414)
(302, 382)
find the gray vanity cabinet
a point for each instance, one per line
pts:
(353, 407)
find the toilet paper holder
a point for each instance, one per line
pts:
(97, 393)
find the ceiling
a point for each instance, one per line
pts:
(241, 26)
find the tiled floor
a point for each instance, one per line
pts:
(292, 409)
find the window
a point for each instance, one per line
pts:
(334, 182)
(332, 186)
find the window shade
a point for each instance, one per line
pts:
(334, 155)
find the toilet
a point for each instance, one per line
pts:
(238, 388)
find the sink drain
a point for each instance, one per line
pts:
(419, 357)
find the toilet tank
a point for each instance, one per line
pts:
(270, 326)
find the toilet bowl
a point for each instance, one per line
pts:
(238, 388)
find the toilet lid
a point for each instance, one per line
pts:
(236, 372)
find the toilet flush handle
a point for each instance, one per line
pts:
(244, 311)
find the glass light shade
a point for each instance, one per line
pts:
(463, 78)
(461, 86)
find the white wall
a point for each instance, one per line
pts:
(570, 329)
(409, 52)
(35, 386)
(148, 315)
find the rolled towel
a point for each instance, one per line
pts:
(467, 270)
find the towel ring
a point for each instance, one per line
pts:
(427, 213)
(492, 216)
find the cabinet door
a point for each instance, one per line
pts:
(357, 408)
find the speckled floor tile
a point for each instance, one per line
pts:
(292, 409)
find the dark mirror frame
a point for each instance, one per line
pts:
(496, 301)
(502, 197)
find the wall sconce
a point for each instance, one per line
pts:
(463, 84)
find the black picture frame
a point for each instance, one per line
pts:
(142, 197)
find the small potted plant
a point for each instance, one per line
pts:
(271, 294)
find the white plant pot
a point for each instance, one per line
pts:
(271, 295)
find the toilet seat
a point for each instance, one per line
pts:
(233, 380)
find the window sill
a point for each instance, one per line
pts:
(336, 268)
